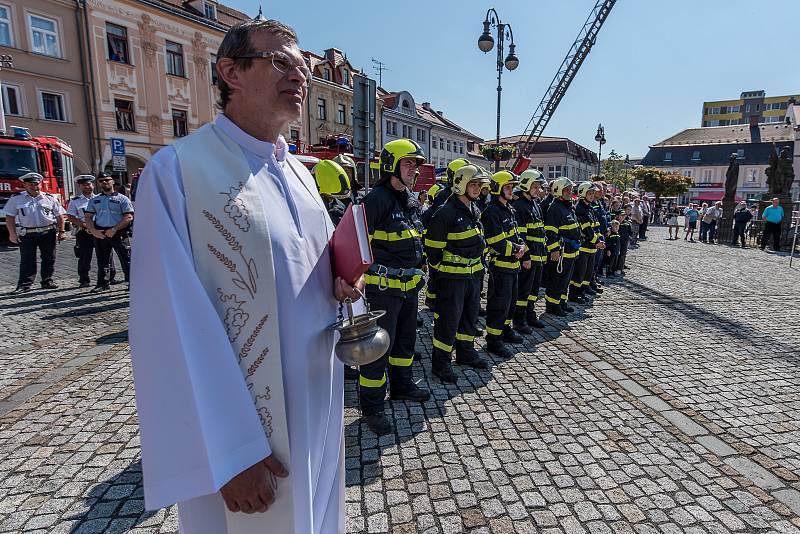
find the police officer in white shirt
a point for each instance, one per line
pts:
(84, 241)
(35, 220)
(108, 217)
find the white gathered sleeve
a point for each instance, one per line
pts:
(199, 426)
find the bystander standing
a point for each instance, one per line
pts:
(773, 217)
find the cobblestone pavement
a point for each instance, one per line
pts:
(670, 405)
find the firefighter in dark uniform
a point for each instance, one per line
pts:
(40, 218)
(483, 199)
(583, 270)
(441, 196)
(531, 225)
(563, 244)
(454, 244)
(394, 280)
(436, 202)
(544, 205)
(349, 166)
(506, 247)
(333, 185)
(602, 226)
(547, 200)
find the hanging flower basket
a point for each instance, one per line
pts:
(498, 153)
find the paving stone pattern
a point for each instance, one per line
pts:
(670, 405)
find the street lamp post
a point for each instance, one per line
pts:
(600, 137)
(627, 165)
(511, 61)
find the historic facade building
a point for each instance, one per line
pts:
(46, 91)
(153, 64)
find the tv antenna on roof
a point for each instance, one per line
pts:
(379, 67)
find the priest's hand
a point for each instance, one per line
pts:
(342, 290)
(253, 490)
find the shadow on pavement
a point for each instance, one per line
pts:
(113, 339)
(119, 498)
(89, 310)
(45, 303)
(712, 319)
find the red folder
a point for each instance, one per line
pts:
(351, 253)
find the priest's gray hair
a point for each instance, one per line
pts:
(237, 43)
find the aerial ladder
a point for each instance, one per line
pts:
(561, 81)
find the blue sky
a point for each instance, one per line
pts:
(654, 63)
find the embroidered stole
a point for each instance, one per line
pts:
(232, 255)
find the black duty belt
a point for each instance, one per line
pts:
(393, 272)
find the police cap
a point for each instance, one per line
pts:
(84, 179)
(31, 178)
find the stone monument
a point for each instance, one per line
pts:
(780, 176)
(725, 224)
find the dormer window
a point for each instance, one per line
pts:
(696, 155)
(406, 105)
(210, 9)
(326, 74)
(346, 76)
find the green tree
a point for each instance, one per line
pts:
(660, 182)
(614, 170)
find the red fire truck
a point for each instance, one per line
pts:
(21, 153)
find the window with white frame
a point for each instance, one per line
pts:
(740, 153)
(44, 35)
(553, 172)
(448, 145)
(117, 38)
(6, 33)
(687, 173)
(346, 76)
(695, 155)
(12, 100)
(433, 142)
(341, 112)
(752, 176)
(326, 74)
(322, 109)
(210, 10)
(52, 106)
(175, 59)
(180, 126)
(123, 111)
(708, 175)
(213, 70)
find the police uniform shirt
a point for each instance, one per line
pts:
(77, 205)
(109, 209)
(34, 212)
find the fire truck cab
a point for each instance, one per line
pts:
(21, 153)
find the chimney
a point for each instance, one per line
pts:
(426, 105)
(440, 113)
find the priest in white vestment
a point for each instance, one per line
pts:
(239, 395)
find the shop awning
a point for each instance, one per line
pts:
(711, 196)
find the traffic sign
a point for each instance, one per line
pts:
(363, 116)
(117, 146)
(118, 163)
